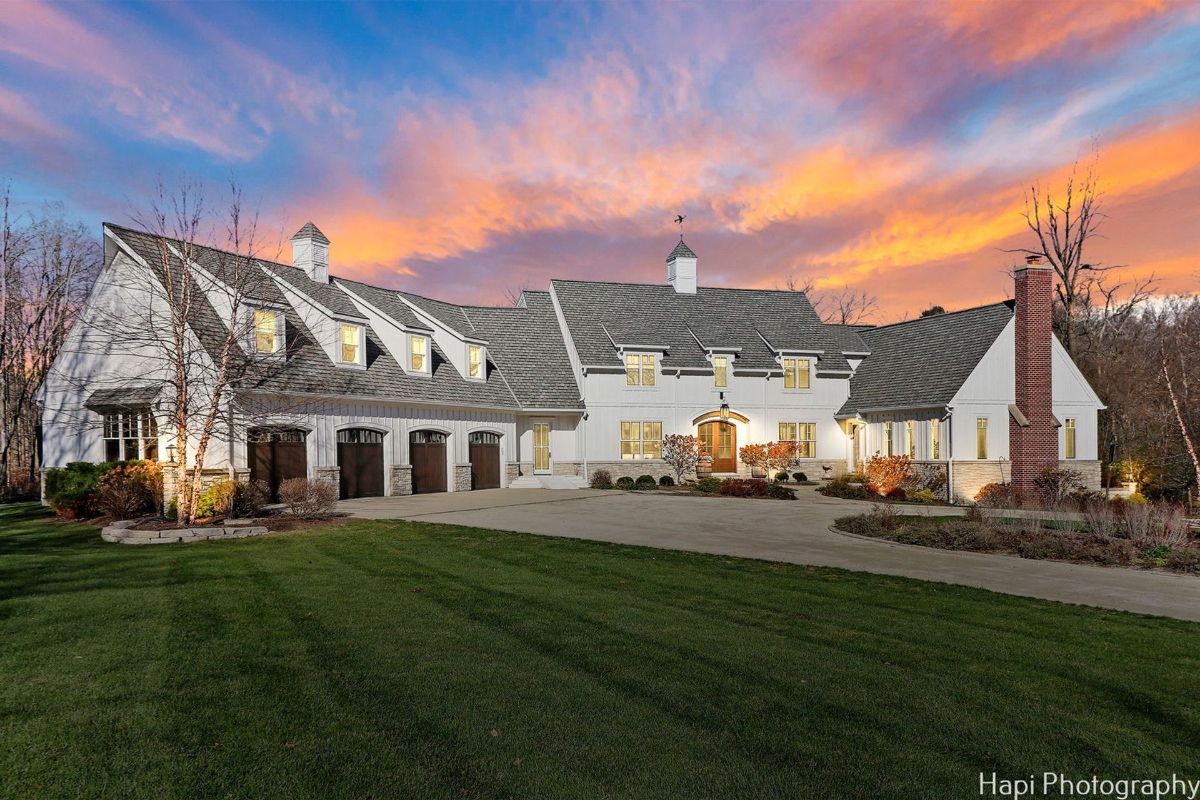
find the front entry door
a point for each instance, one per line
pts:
(719, 440)
(541, 447)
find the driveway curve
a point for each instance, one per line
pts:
(793, 532)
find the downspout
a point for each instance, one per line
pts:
(583, 427)
(949, 420)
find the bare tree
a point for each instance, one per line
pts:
(1178, 346)
(185, 314)
(47, 265)
(846, 306)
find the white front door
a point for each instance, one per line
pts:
(541, 448)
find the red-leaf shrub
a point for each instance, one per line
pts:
(997, 495)
(885, 474)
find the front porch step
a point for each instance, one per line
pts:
(548, 482)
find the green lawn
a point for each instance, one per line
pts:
(397, 660)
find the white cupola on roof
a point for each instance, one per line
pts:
(310, 252)
(681, 268)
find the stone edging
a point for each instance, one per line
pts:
(122, 532)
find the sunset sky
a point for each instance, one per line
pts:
(460, 150)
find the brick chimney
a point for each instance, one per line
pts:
(1033, 442)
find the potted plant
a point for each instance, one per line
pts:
(754, 456)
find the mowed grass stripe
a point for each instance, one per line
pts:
(375, 659)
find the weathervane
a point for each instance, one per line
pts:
(679, 218)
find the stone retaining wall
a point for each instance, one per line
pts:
(122, 533)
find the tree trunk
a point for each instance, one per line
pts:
(1188, 441)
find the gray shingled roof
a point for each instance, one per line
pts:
(636, 313)
(924, 361)
(310, 231)
(681, 251)
(124, 397)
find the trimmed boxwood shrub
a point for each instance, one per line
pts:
(602, 479)
(646, 482)
(625, 482)
(666, 480)
(733, 487)
(781, 476)
(799, 477)
(844, 489)
(707, 486)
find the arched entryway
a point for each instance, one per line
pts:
(427, 454)
(484, 450)
(275, 455)
(360, 462)
(718, 439)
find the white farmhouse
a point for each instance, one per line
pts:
(388, 393)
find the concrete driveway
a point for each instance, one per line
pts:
(796, 533)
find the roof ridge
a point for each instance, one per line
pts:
(938, 316)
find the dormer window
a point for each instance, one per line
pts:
(418, 353)
(796, 373)
(268, 331)
(639, 369)
(475, 362)
(350, 350)
(720, 371)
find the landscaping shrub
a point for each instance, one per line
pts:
(922, 496)
(1157, 523)
(682, 453)
(781, 492)
(707, 486)
(601, 479)
(249, 498)
(625, 482)
(666, 480)
(845, 489)
(130, 490)
(799, 477)
(645, 482)
(887, 473)
(734, 487)
(1184, 559)
(308, 499)
(997, 495)
(1058, 484)
(897, 493)
(72, 491)
(781, 476)
(929, 477)
(217, 499)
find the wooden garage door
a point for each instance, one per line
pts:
(485, 460)
(427, 453)
(360, 463)
(277, 455)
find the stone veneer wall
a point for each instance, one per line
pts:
(512, 471)
(330, 475)
(971, 476)
(462, 477)
(401, 479)
(208, 477)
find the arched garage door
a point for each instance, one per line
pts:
(275, 455)
(485, 460)
(360, 462)
(427, 453)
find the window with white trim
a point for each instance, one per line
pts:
(350, 343)
(935, 439)
(981, 438)
(475, 362)
(911, 435)
(803, 434)
(268, 331)
(418, 353)
(720, 371)
(641, 440)
(130, 435)
(889, 442)
(639, 369)
(1069, 437)
(796, 373)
